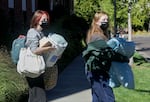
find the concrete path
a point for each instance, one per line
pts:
(72, 84)
(143, 46)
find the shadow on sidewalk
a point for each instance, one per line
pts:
(71, 80)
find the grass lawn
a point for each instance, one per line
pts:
(141, 93)
(142, 88)
(12, 85)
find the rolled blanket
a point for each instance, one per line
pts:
(120, 45)
(121, 72)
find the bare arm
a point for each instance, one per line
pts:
(41, 50)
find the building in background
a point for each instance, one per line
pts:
(19, 12)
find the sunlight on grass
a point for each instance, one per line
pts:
(141, 93)
(141, 33)
(142, 88)
(12, 85)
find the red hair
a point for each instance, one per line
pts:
(37, 16)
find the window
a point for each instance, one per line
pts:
(10, 3)
(33, 5)
(24, 7)
(51, 4)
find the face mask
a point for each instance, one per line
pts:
(104, 25)
(44, 24)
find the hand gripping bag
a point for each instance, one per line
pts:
(60, 44)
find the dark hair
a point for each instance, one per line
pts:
(36, 18)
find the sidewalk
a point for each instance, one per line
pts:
(143, 46)
(72, 84)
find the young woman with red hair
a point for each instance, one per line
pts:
(39, 21)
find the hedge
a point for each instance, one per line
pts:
(12, 85)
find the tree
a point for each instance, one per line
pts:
(139, 13)
(87, 8)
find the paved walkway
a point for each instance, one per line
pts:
(143, 46)
(72, 84)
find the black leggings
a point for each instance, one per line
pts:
(36, 89)
(36, 82)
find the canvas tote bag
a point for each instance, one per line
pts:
(30, 64)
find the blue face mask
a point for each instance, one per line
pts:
(104, 25)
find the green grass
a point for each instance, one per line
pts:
(141, 93)
(12, 85)
(142, 33)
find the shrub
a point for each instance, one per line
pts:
(14, 88)
(12, 85)
(76, 25)
(138, 59)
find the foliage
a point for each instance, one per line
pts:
(13, 88)
(122, 14)
(87, 8)
(138, 59)
(12, 85)
(139, 11)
